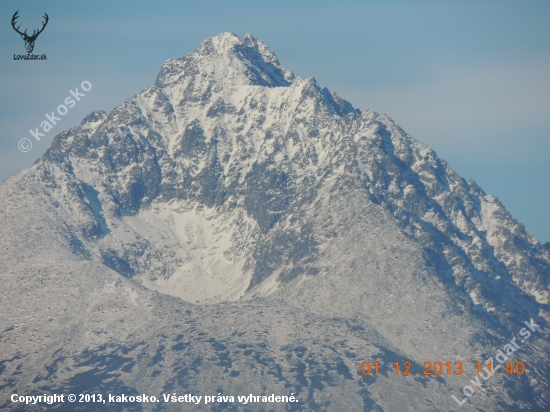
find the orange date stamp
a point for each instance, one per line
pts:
(404, 368)
(435, 368)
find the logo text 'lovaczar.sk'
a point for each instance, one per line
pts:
(29, 39)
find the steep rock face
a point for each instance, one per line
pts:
(227, 127)
(231, 179)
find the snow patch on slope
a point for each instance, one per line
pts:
(210, 262)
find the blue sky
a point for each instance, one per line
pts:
(469, 78)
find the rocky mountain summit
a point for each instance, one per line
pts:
(237, 229)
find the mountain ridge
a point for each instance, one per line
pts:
(402, 175)
(231, 181)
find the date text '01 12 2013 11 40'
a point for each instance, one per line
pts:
(436, 368)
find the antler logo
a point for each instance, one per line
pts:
(29, 40)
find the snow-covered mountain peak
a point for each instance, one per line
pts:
(228, 129)
(227, 61)
(222, 43)
(231, 179)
